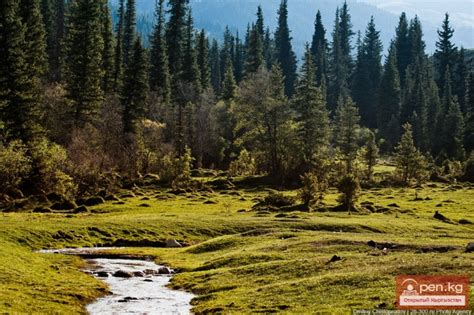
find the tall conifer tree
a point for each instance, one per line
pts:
(84, 73)
(446, 53)
(159, 71)
(118, 61)
(176, 34)
(56, 61)
(346, 126)
(389, 101)
(190, 69)
(319, 48)
(135, 88)
(203, 59)
(129, 30)
(214, 58)
(312, 114)
(402, 45)
(367, 75)
(285, 55)
(19, 95)
(108, 51)
(254, 53)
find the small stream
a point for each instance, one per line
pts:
(137, 286)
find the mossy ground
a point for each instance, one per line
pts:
(244, 262)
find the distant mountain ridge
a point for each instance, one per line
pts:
(214, 15)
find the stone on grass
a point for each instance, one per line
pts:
(93, 201)
(64, 205)
(470, 248)
(81, 209)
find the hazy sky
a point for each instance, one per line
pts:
(461, 11)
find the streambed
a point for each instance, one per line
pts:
(137, 286)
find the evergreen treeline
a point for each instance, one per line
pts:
(72, 84)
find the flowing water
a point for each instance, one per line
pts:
(144, 292)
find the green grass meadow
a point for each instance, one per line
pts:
(239, 261)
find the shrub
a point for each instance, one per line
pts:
(183, 166)
(468, 174)
(349, 188)
(14, 164)
(312, 191)
(89, 161)
(149, 144)
(50, 162)
(278, 200)
(245, 165)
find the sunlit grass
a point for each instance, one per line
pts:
(243, 262)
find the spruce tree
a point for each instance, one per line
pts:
(159, 67)
(260, 24)
(337, 76)
(416, 43)
(285, 55)
(35, 44)
(367, 75)
(176, 34)
(135, 88)
(312, 115)
(108, 51)
(389, 101)
(268, 49)
(254, 53)
(229, 87)
(47, 14)
(452, 129)
(226, 53)
(203, 59)
(409, 161)
(190, 69)
(454, 132)
(402, 45)
(446, 53)
(319, 48)
(19, 97)
(346, 129)
(341, 60)
(118, 53)
(129, 30)
(415, 105)
(460, 80)
(84, 44)
(214, 58)
(239, 59)
(371, 154)
(346, 33)
(57, 59)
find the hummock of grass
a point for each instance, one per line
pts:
(244, 262)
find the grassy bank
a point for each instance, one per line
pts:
(243, 262)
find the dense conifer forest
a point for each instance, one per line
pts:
(82, 100)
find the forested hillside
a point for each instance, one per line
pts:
(214, 16)
(82, 97)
